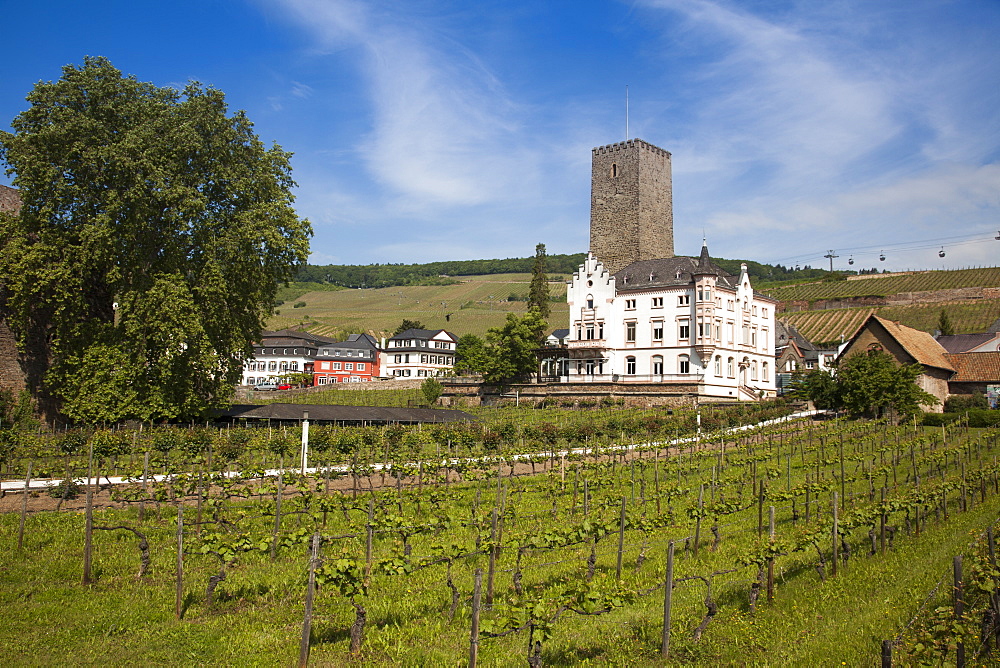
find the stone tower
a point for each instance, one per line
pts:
(631, 204)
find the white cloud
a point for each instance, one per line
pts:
(444, 132)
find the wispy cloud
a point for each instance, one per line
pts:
(444, 131)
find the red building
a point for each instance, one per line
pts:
(355, 360)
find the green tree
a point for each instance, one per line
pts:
(471, 354)
(538, 293)
(154, 231)
(431, 388)
(819, 387)
(511, 348)
(408, 324)
(873, 384)
(944, 324)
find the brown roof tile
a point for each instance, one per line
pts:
(921, 345)
(975, 367)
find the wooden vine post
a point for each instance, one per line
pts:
(770, 558)
(310, 593)
(959, 608)
(668, 590)
(179, 597)
(697, 522)
(474, 633)
(24, 508)
(369, 535)
(88, 532)
(621, 541)
(836, 536)
(493, 559)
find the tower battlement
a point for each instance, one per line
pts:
(629, 144)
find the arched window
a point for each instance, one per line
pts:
(657, 365)
(590, 301)
(763, 372)
(630, 365)
(718, 365)
(731, 367)
(753, 370)
(683, 364)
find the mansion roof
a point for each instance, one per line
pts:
(293, 338)
(677, 271)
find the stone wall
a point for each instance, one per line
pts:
(639, 395)
(11, 374)
(631, 204)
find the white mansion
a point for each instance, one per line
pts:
(679, 320)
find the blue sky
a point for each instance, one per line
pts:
(440, 130)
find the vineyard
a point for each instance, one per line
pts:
(883, 286)
(472, 305)
(831, 326)
(608, 541)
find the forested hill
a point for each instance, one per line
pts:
(437, 273)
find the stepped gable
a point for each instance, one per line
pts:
(920, 345)
(674, 271)
(975, 367)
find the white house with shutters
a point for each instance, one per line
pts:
(419, 353)
(677, 320)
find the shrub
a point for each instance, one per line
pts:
(165, 439)
(960, 403)
(111, 443)
(66, 489)
(71, 441)
(231, 444)
(299, 305)
(938, 419)
(984, 418)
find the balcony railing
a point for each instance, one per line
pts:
(634, 378)
(586, 343)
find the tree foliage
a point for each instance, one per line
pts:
(508, 353)
(431, 388)
(538, 293)
(470, 354)
(154, 231)
(870, 384)
(945, 325)
(408, 324)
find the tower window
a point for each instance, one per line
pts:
(614, 170)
